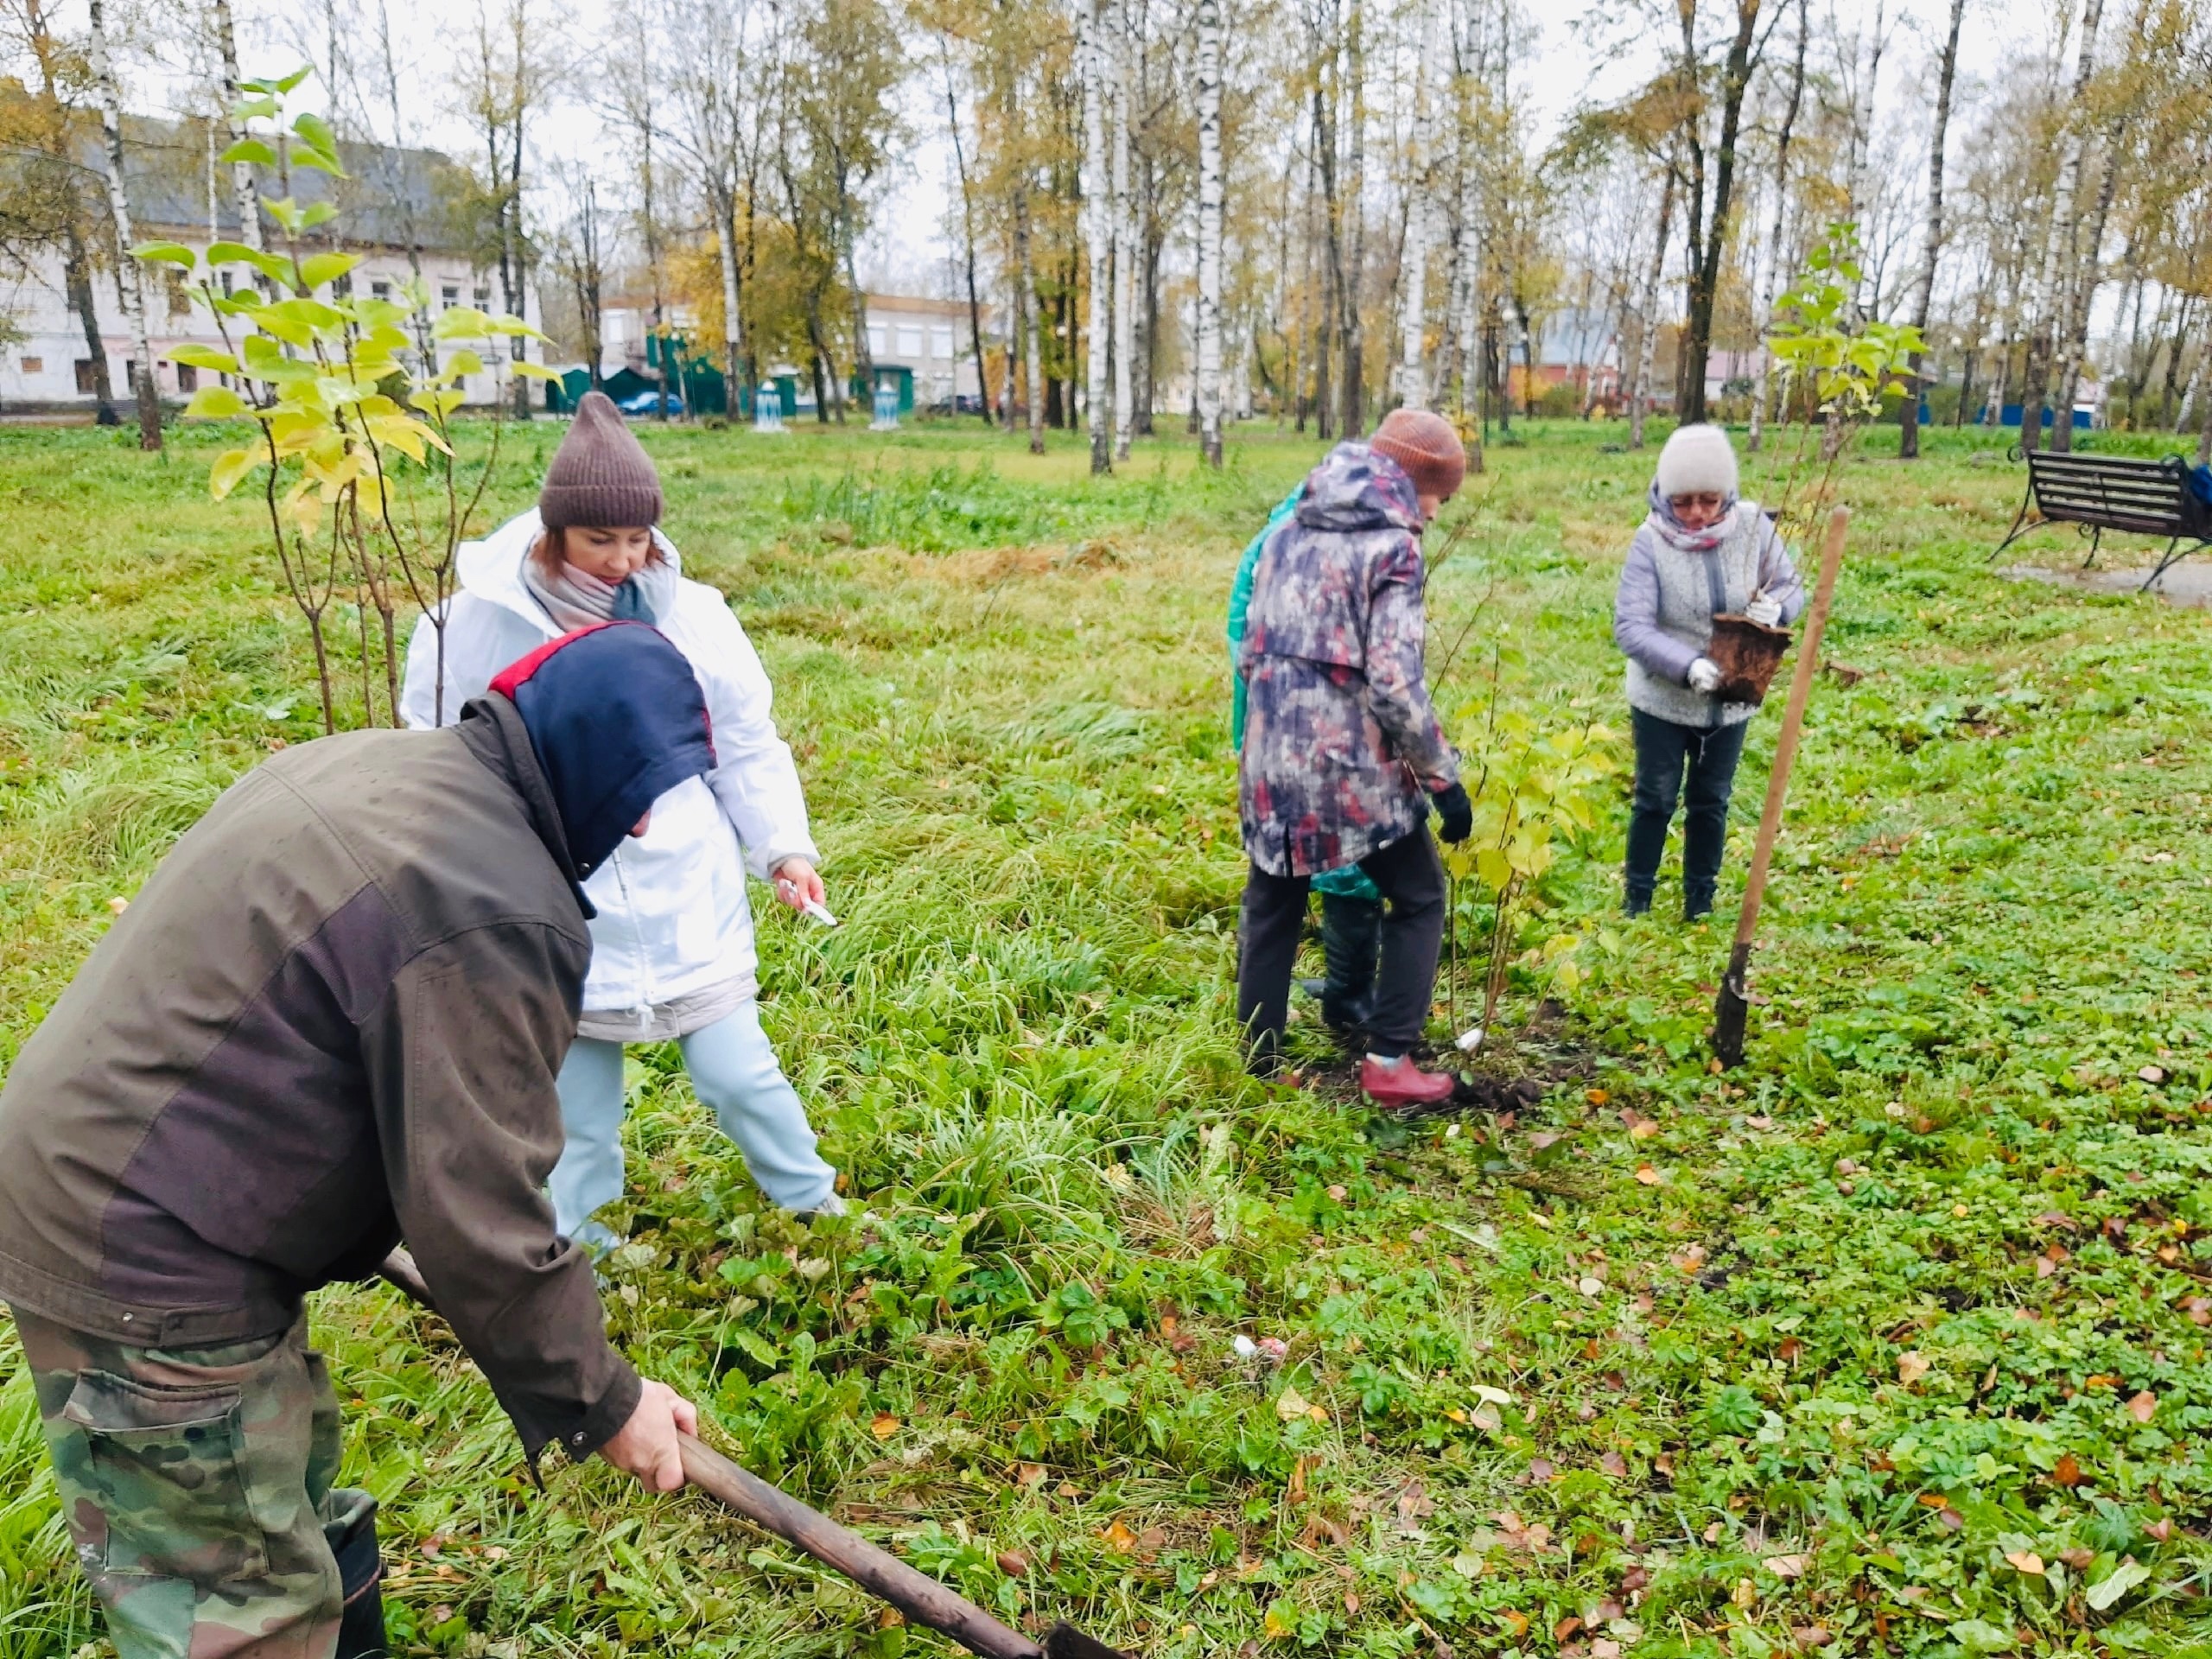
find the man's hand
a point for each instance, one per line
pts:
(797, 881)
(645, 1445)
(1455, 814)
(1704, 676)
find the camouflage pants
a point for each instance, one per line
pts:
(197, 1487)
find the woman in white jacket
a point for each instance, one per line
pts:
(673, 949)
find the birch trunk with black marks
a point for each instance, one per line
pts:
(2035, 388)
(130, 275)
(1210, 209)
(1098, 235)
(1925, 287)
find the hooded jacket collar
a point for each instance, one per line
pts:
(1358, 488)
(491, 568)
(493, 731)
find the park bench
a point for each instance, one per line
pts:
(2096, 493)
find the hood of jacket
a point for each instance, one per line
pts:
(616, 719)
(1358, 488)
(491, 568)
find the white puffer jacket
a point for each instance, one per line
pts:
(672, 914)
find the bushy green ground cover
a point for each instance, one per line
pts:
(1892, 1342)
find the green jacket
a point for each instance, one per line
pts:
(1351, 882)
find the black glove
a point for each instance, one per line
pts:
(1455, 814)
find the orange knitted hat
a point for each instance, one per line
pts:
(1426, 447)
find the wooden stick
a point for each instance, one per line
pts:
(1731, 1007)
(882, 1574)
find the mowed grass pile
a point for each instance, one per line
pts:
(1892, 1342)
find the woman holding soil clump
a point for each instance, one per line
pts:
(1701, 553)
(672, 951)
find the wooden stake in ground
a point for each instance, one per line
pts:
(1730, 1008)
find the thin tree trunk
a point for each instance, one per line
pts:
(1099, 233)
(1647, 320)
(1704, 280)
(1033, 345)
(2057, 272)
(1209, 208)
(1413, 384)
(1924, 289)
(967, 227)
(244, 191)
(130, 275)
(724, 206)
(2089, 258)
(1353, 420)
(1771, 276)
(1125, 251)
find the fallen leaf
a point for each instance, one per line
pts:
(1119, 1539)
(2153, 1074)
(1494, 1396)
(1413, 1504)
(1951, 1519)
(1760, 1120)
(1744, 1593)
(1543, 1139)
(1013, 1563)
(2078, 1558)
(1290, 1405)
(2160, 1529)
(884, 1426)
(2143, 1407)
(1614, 1465)
(1911, 1367)
(1517, 1624)
(1540, 1471)
(2068, 1471)
(1604, 1647)
(1151, 1541)
(1566, 1628)
(1788, 1350)
(1029, 1474)
(2056, 1218)
(2122, 1579)
(118, 904)
(1337, 1194)
(2027, 1561)
(1643, 1129)
(1634, 1580)
(1321, 1529)
(1590, 1286)
(889, 1619)
(1597, 1096)
(1786, 1566)
(1647, 1176)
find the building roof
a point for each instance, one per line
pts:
(166, 168)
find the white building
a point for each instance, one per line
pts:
(929, 338)
(49, 367)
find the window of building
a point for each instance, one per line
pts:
(910, 342)
(131, 375)
(187, 378)
(878, 341)
(227, 282)
(33, 365)
(483, 295)
(380, 290)
(87, 381)
(941, 342)
(450, 294)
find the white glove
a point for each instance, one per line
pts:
(1704, 676)
(1765, 611)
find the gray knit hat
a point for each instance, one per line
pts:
(1697, 461)
(601, 477)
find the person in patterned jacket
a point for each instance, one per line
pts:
(1343, 753)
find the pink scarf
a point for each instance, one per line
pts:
(1680, 536)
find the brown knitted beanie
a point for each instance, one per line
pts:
(601, 477)
(1426, 447)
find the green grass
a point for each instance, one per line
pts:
(1783, 1363)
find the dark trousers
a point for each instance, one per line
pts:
(1666, 754)
(1411, 880)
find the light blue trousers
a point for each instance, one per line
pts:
(736, 1076)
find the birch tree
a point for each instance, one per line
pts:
(1770, 268)
(2059, 241)
(1210, 213)
(1413, 315)
(129, 279)
(1117, 68)
(1932, 237)
(1098, 231)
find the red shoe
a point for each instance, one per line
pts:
(1393, 1085)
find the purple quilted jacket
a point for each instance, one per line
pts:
(1342, 747)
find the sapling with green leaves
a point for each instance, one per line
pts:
(360, 475)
